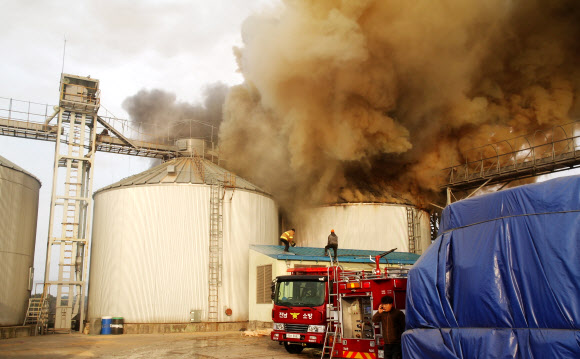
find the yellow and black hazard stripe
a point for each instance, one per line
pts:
(358, 355)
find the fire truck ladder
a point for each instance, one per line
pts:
(332, 263)
(332, 315)
(215, 248)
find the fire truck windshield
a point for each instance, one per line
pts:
(300, 293)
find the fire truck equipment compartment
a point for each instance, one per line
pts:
(356, 318)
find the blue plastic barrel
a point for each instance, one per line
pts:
(106, 325)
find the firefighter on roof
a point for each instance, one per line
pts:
(332, 243)
(287, 239)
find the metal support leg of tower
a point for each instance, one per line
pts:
(215, 248)
(70, 215)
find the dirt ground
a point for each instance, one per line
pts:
(205, 345)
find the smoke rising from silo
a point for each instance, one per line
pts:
(369, 100)
(163, 118)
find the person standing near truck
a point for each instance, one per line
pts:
(287, 239)
(332, 243)
(393, 325)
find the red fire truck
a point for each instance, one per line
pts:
(331, 308)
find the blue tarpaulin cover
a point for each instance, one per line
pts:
(502, 280)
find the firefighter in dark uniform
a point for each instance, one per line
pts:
(332, 243)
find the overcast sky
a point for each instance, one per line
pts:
(176, 46)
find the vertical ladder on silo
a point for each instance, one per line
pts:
(229, 182)
(215, 247)
(70, 215)
(199, 167)
(417, 230)
(411, 229)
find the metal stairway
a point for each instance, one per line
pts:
(37, 313)
(215, 248)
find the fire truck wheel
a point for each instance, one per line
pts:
(293, 348)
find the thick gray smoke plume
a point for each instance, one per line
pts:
(158, 114)
(369, 100)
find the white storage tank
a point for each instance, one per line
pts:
(18, 214)
(372, 226)
(151, 244)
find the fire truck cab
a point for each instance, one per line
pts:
(331, 308)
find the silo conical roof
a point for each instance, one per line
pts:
(185, 170)
(6, 163)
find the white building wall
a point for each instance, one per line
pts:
(261, 312)
(371, 226)
(18, 215)
(149, 257)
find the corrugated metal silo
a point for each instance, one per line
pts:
(151, 244)
(373, 226)
(18, 214)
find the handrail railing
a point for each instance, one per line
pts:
(528, 153)
(160, 133)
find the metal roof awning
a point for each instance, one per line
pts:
(345, 255)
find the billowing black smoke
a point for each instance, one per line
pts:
(161, 117)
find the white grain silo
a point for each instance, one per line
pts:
(151, 251)
(18, 214)
(372, 226)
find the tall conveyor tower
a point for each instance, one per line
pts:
(71, 199)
